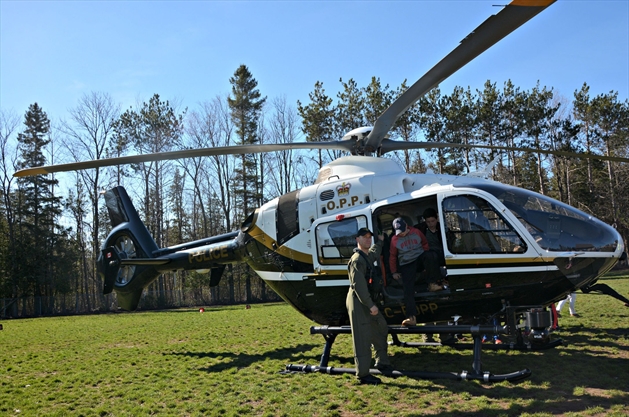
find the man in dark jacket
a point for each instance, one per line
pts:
(430, 227)
(368, 325)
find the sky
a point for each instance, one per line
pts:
(54, 52)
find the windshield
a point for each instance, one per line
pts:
(555, 226)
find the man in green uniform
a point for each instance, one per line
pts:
(368, 325)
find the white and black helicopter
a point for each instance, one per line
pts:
(509, 252)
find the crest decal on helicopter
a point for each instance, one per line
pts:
(343, 189)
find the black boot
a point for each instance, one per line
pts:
(370, 379)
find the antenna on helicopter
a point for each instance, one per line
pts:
(485, 172)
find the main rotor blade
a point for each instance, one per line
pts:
(389, 145)
(345, 145)
(487, 34)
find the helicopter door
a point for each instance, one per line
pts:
(478, 228)
(489, 246)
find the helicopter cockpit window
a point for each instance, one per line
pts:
(336, 240)
(478, 228)
(553, 225)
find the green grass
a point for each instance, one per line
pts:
(226, 361)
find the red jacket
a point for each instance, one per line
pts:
(406, 249)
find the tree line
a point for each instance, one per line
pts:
(51, 231)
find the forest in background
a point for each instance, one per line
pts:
(52, 226)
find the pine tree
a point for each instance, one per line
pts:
(317, 118)
(156, 127)
(433, 124)
(489, 108)
(350, 111)
(376, 100)
(538, 114)
(246, 105)
(38, 207)
(407, 128)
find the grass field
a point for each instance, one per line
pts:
(227, 361)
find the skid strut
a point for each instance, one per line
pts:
(330, 332)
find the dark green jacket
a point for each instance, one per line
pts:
(357, 271)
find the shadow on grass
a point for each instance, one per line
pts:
(563, 380)
(231, 360)
(614, 275)
(582, 335)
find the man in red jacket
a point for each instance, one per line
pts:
(408, 254)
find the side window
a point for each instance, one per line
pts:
(478, 228)
(336, 240)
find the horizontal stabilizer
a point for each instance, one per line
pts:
(216, 274)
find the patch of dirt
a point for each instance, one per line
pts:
(597, 392)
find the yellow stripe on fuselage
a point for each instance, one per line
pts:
(267, 241)
(495, 260)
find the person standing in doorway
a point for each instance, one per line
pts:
(432, 230)
(409, 254)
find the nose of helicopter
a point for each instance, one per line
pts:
(581, 269)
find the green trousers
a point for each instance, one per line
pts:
(367, 330)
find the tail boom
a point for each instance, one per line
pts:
(130, 259)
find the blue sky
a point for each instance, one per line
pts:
(53, 52)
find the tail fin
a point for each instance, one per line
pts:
(130, 259)
(129, 240)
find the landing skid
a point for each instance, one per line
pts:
(518, 345)
(329, 334)
(464, 375)
(511, 346)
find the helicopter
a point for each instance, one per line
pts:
(509, 252)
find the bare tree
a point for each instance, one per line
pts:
(9, 122)
(283, 127)
(204, 130)
(88, 132)
(213, 176)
